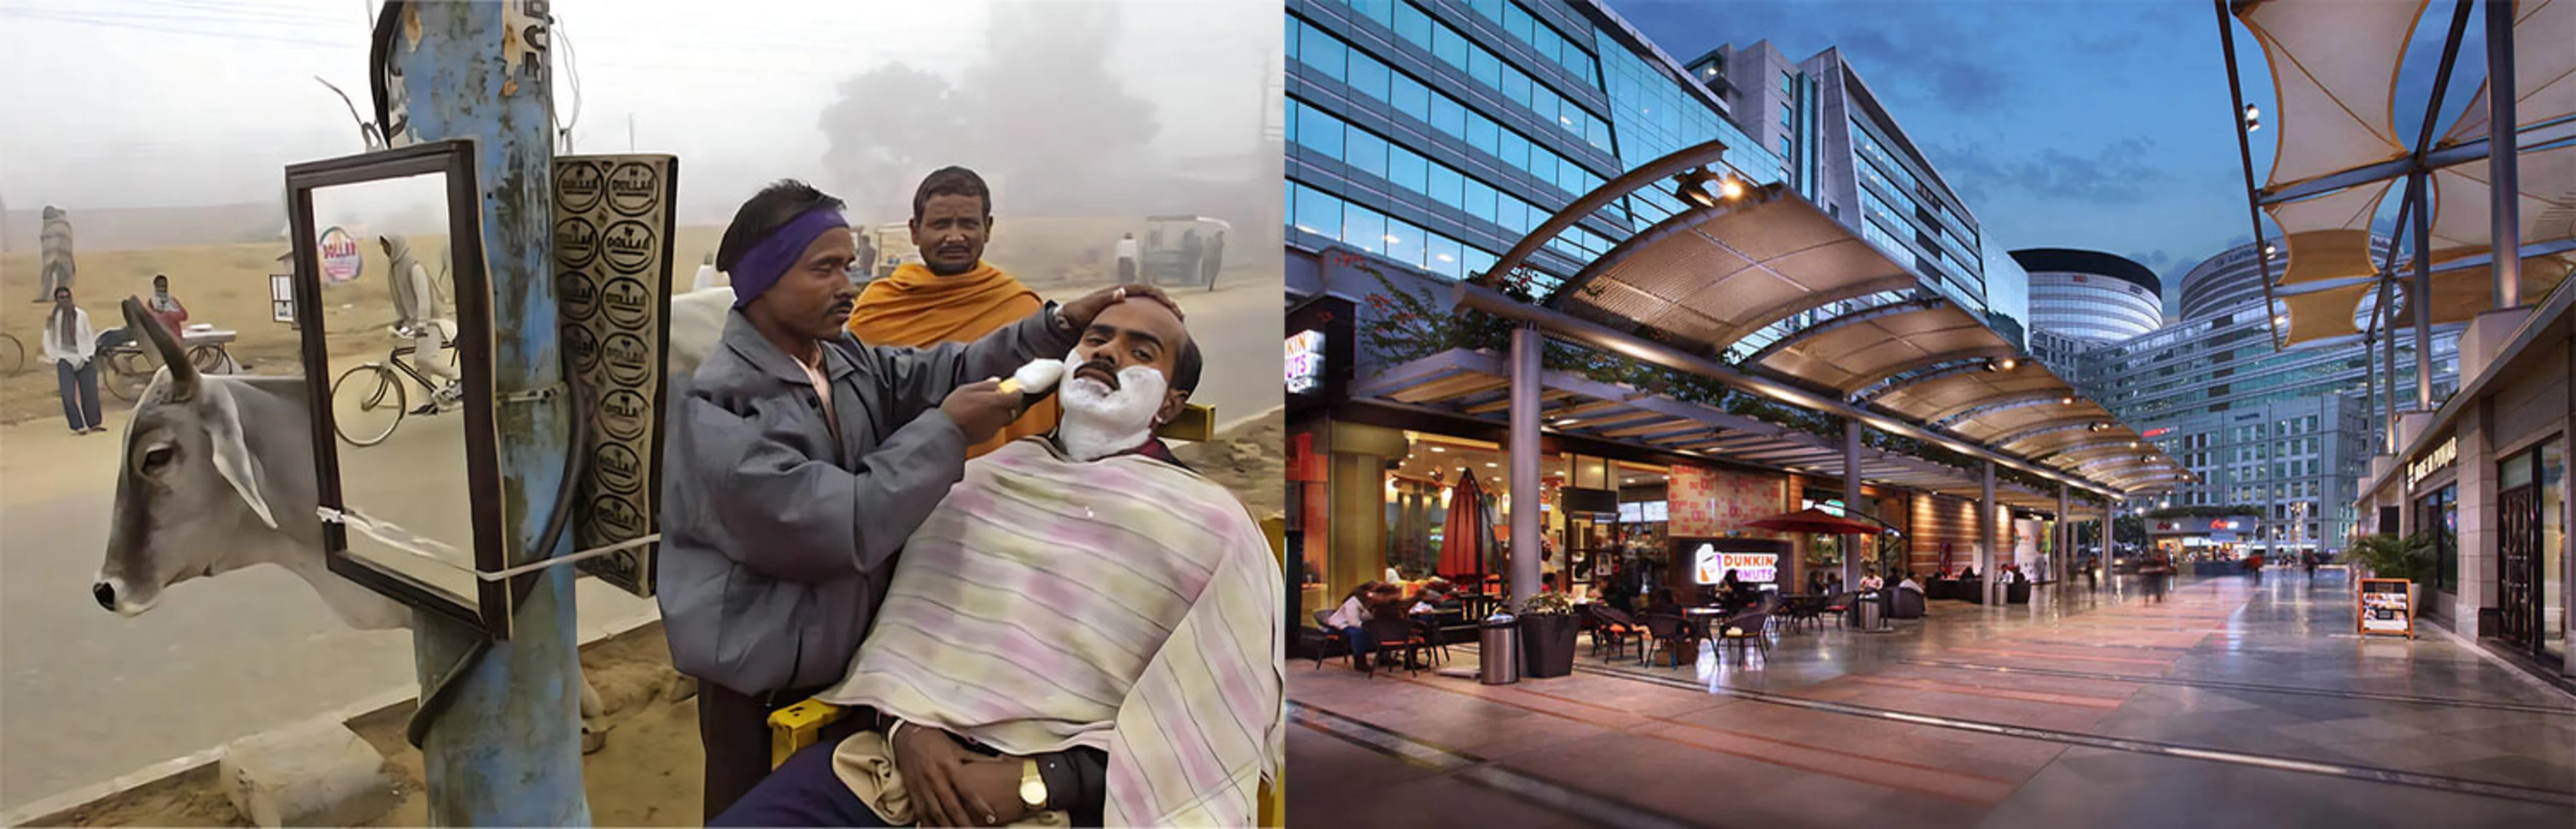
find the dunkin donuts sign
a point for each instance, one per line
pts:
(612, 232)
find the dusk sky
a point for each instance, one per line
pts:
(2099, 124)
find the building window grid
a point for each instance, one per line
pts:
(1445, 114)
(1462, 53)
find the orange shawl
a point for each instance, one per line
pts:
(914, 307)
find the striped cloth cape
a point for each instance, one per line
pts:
(1125, 604)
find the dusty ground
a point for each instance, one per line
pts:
(227, 285)
(649, 773)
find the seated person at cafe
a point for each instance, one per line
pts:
(1665, 600)
(1815, 582)
(1733, 592)
(1870, 582)
(1435, 597)
(1081, 626)
(1909, 583)
(1351, 619)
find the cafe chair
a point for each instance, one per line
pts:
(1612, 629)
(1840, 606)
(1745, 630)
(1332, 636)
(1395, 635)
(1666, 632)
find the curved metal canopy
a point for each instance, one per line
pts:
(1702, 280)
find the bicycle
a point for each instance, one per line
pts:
(126, 367)
(386, 384)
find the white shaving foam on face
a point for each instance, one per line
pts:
(1100, 421)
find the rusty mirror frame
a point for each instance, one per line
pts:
(490, 608)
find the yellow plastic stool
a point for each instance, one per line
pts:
(797, 726)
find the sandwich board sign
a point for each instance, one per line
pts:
(2387, 607)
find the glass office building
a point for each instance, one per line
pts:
(1436, 133)
(2286, 431)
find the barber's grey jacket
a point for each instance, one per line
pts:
(776, 548)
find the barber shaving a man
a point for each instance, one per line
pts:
(799, 460)
(1084, 632)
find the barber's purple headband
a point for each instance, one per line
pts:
(779, 251)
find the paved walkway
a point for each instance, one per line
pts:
(2231, 704)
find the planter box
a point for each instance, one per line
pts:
(1547, 645)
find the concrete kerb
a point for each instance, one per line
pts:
(81, 796)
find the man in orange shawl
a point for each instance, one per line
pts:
(952, 295)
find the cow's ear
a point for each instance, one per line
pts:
(232, 455)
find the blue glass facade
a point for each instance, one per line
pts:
(1437, 133)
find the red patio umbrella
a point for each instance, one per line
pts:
(1820, 522)
(1468, 533)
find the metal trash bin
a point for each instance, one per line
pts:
(1873, 611)
(1498, 648)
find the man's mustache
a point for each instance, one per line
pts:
(1107, 373)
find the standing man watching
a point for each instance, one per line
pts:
(1127, 259)
(952, 295)
(800, 460)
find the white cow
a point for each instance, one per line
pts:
(218, 476)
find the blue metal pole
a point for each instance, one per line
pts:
(507, 752)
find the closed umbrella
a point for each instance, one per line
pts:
(1467, 534)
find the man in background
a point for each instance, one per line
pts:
(706, 277)
(165, 308)
(1214, 259)
(422, 318)
(952, 295)
(1126, 254)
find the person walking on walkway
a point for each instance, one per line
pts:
(2154, 571)
(70, 345)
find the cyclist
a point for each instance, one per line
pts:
(423, 319)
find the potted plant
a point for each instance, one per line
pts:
(1547, 635)
(2391, 557)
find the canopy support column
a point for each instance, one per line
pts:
(1986, 535)
(1526, 548)
(2503, 179)
(2422, 300)
(1851, 499)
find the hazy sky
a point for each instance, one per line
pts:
(204, 101)
(2101, 124)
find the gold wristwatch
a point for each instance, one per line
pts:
(1033, 788)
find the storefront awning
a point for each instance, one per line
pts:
(1476, 384)
(1711, 275)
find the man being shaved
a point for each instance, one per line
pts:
(1083, 632)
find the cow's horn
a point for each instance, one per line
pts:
(183, 375)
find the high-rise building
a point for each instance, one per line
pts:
(1845, 151)
(2082, 299)
(1436, 133)
(2233, 278)
(2282, 431)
